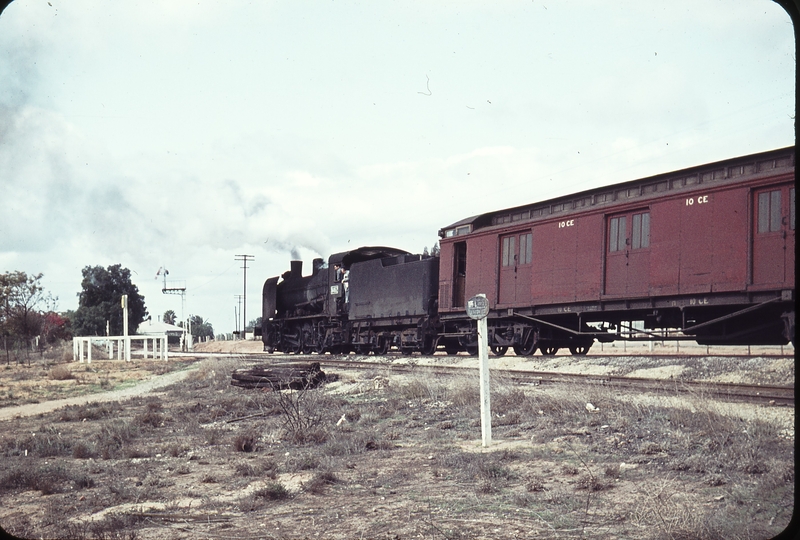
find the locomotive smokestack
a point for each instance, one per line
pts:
(297, 269)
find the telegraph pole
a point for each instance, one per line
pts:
(238, 312)
(244, 259)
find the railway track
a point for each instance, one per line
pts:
(751, 393)
(780, 395)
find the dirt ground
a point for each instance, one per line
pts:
(183, 454)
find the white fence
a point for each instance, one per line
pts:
(82, 347)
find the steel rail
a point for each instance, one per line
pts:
(782, 395)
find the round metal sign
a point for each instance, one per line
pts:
(478, 307)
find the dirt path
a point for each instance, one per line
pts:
(31, 409)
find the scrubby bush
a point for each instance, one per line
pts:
(274, 491)
(60, 373)
(245, 441)
(49, 479)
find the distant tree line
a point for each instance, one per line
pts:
(434, 252)
(200, 328)
(27, 310)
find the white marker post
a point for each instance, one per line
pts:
(126, 340)
(478, 309)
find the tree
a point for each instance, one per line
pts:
(100, 301)
(169, 317)
(20, 319)
(200, 328)
(255, 323)
(54, 328)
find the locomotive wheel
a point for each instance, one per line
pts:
(579, 351)
(499, 350)
(295, 348)
(383, 346)
(429, 346)
(549, 351)
(472, 349)
(451, 349)
(308, 339)
(525, 350)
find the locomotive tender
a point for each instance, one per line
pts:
(707, 251)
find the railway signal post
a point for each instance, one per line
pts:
(478, 309)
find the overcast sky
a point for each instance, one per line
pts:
(184, 133)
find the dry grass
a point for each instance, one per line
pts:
(60, 373)
(401, 459)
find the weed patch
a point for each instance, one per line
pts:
(48, 479)
(245, 441)
(60, 373)
(320, 482)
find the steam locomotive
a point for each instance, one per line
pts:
(368, 300)
(704, 253)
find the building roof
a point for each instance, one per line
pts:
(150, 328)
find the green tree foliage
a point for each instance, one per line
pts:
(100, 301)
(255, 323)
(169, 317)
(201, 328)
(434, 252)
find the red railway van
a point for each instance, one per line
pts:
(708, 251)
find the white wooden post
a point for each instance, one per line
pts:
(125, 336)
(483, 358)
(89, 354)
(165, 347)
(478, 308)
